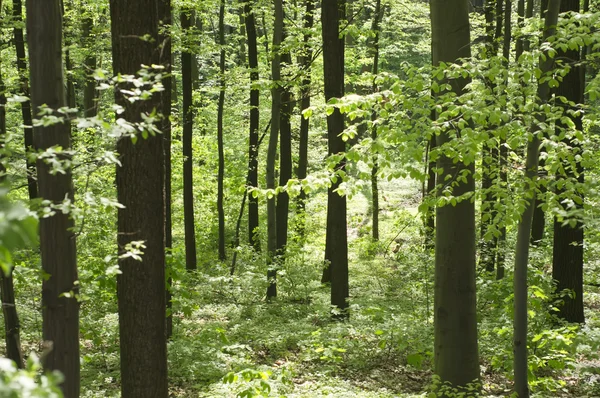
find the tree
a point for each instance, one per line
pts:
(285, 153)
(336, 240)
(188, 121)
(60, 307)
(140, 189)
(24, 86)
(252, 179)
(276, 93)
(567, 253)
(455, 319)
(374, 49)
(305, 61)
(221, 106)
(12, 326)
(524, 228)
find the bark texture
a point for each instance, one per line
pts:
(60, 309)
(140, 188)
(336, 241)
(455, 351)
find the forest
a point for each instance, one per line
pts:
(300, 198)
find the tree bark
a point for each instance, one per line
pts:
(60, 308)
(305, 65)
(220, 109)
(285, 161)
(567, 254)
(455, 317)
(336, 241)
(188, 164)
(252, 180)
(12, 326)
(140, 188)
(90, 97)
(276, 93)
(32, 187)
(524, 228)
(375, 168)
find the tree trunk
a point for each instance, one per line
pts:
(12, 326)
(140, 188)
(455, 316)
(276, 93)
(500, 242)
(90, 103)
(524, 228)
(188, 164)
(252, 180)
(32, 187)
(305, 66)
(165, 19)
(60, 309)
(220, 109)
(375, 168)
(336, 241)
(567, 256)
(285, 161)
(430, 191)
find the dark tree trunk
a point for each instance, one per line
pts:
(90, 103)
(524, 228)
(220, 109)
(455, 314)
(252, 181)
(538, 225)
(188, 121)
(336, 241)
(430, 191)
(32, 187)
(140, 188)
(490, 163)
(500, 241)
(71, 103)
(305, 65)
(165, 20)
(285, 161)
(60, 309)
(567, 256)
(12, 326)
(375, 168)
(276, 93)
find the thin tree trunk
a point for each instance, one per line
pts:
(165, 20)
(285, 161)
(336, 241)
(276, 93)
(60, 308)
(12, 326)
(220, 109)
(90, 103)
(430, 190)
(188, 164)
(140, 188)
(500, 242)
(68, 67)
(567, 255)
(524, 228)
(305, 66)
(455, 316)
(252, 180)
(32, 187)
(375, 168)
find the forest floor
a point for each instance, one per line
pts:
(229, 342)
